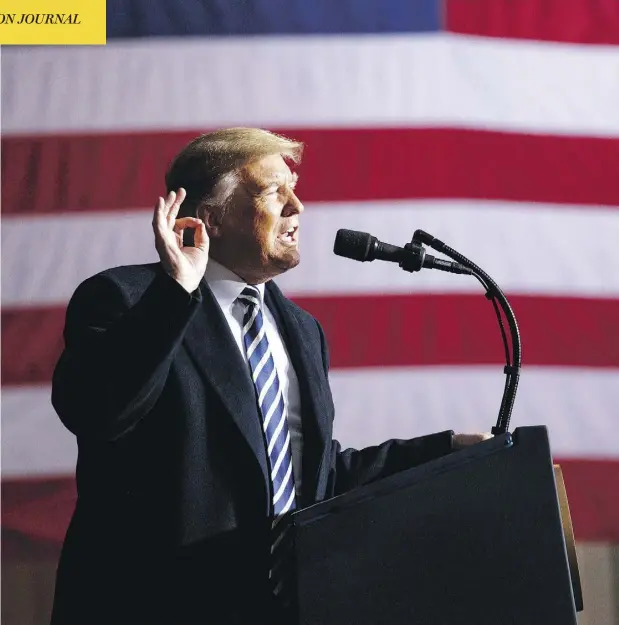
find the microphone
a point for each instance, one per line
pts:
(364, 247)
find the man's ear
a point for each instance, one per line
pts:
(212, 221)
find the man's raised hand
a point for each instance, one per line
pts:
(185, 264)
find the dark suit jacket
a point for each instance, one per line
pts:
(171, 521)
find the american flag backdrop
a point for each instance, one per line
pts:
(492, 124)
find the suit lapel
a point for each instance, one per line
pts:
(306, 360)
(210, 343)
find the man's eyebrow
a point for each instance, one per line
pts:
(279, 180)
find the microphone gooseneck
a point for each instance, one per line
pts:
(494, 293)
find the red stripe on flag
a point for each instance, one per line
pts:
(462, 330)
(35, 516)
(36, 512)
(407, 330)
(570, 21)
(32, 341)
(594, 505)
(54, 174)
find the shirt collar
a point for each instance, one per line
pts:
(226, 285)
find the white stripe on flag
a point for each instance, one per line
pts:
(409, 401)
(527, 248)
(415, 401)
(365, 80)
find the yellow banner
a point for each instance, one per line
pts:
(52, 22)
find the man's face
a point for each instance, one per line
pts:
(259, 232)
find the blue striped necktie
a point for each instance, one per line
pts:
(276, 433)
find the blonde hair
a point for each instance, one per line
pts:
(207, 167)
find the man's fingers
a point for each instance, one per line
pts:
(464, 440)
(200, 238)
(159, 216)
(168, 201)
(159, 206)
(177, 200)
(186, 222)
(166, 210)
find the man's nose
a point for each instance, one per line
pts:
(294, 205)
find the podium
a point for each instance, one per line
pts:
(476, 537)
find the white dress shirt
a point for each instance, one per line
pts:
(226, 287)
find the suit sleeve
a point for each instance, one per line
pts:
(117, 355)
(351, 468)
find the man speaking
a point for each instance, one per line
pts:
(200, 400)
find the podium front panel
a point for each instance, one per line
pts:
(473, 538)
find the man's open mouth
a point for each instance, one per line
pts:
(290, 236)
